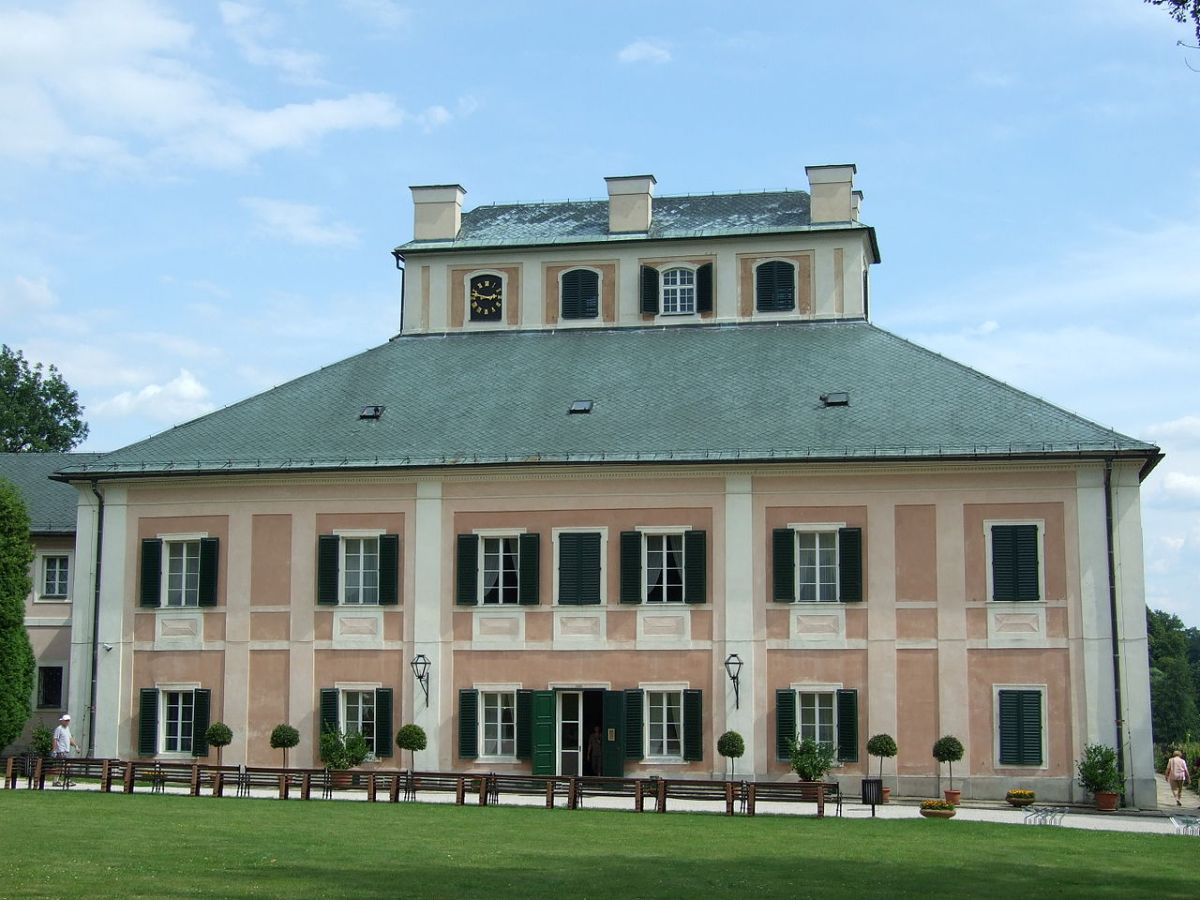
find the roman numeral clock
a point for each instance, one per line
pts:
(487, 298)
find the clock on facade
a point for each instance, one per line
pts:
(487, 298)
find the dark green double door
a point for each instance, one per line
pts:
(561, 724)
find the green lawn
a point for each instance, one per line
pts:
(82, 844)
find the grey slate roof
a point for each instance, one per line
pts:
(51, 504)
(586, 221)
(678, 394)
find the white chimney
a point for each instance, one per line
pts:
(629, 200)
(856, 199)
(831, 190)
(437, 211)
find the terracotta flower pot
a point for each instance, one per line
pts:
(938, 813)
(1106, 801)
(887, 795)
(952, 796)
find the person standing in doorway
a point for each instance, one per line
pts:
(595, 751)
(1177, 775)
(61, 746)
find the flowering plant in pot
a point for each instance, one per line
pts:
(949, 749)
(937, 809)
(1020, 797)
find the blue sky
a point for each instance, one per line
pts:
(198, 200)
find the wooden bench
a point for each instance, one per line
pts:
(688, 789)
(786, 792)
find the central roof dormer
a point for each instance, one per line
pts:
(636, 260)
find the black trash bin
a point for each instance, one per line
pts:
(872, 792)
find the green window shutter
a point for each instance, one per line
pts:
(783, 564)
(649, 290)
(529, 569)
(467, 585)
(578, 568)
(704, 288)
(580, 294)
(329, 710)
(468, 724)
(613, 729)
(785, 723)
(329, 547)
(389, 573)
(1015, 562)
(209, 553)
(631, 567)
(633, 724)
(850, 588)
(151, 591)
(524, 724)
(148, 722)
(1020, 728)
(847, 726)
(693, 725)
(695, 571)
(774, 287)
(542, 750)
(570, 294)
(201, 710)
(385, 738)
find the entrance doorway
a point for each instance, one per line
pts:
(580, 714)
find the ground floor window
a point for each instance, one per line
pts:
(1019, 726)
(173, 719)
(499, 723)
(50, 687)
(664, 724)
(358, 715)
(178, 715)
(818, 716)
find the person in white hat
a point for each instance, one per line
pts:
(63, 742)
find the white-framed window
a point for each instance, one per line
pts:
(663, 567)
(817, 566)
(816, 717)
(181, 560)
(499, 570)
(817, 563)
(50, 687)
(678, 291)
(178, 715)
(54, 579)
(360, 571)
(1015, 559)
(1020, 717)
(358, 714)
(664, 724)
(498, 724)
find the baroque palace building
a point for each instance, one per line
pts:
(617, 445)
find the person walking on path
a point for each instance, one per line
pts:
(1177, 775)
(61, 746)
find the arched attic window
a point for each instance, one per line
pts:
(580, 294)
(775, 286)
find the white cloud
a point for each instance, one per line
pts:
(381, 13)
(299, 223)
(1183, 486)
(644, 51)
(22, 296)
(180, 399)
(251, 28)
(112, 84)
(433, 117)
(1182, 432)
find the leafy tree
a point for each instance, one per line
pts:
(411, 738)
(38, 412)
(17, 666)
(947, 749)
(731, 746)
(883, 746)
(1182, 11)
(284, 737)
(219, 735)
(1174, 665)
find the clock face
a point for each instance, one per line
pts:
(487, 298)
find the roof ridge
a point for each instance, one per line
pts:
(690, 195)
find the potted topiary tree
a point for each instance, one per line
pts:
(220, 736)
(412, 739)
(949, 749)
(884, 747)
(731, 746)
(284, 737)
(812, 759)
(1097, 774)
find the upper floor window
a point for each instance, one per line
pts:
(775, 286)
(667, 566)
(497, 568)
(179, 571)
(358, 569)
(52, 577)
(580, 567)
(814, 564)
(677, 290)
(485, 297)
(580, 293)
(1015, 558)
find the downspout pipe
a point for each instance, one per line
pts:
(91, 741)
(1110, 535)
(403, 273)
